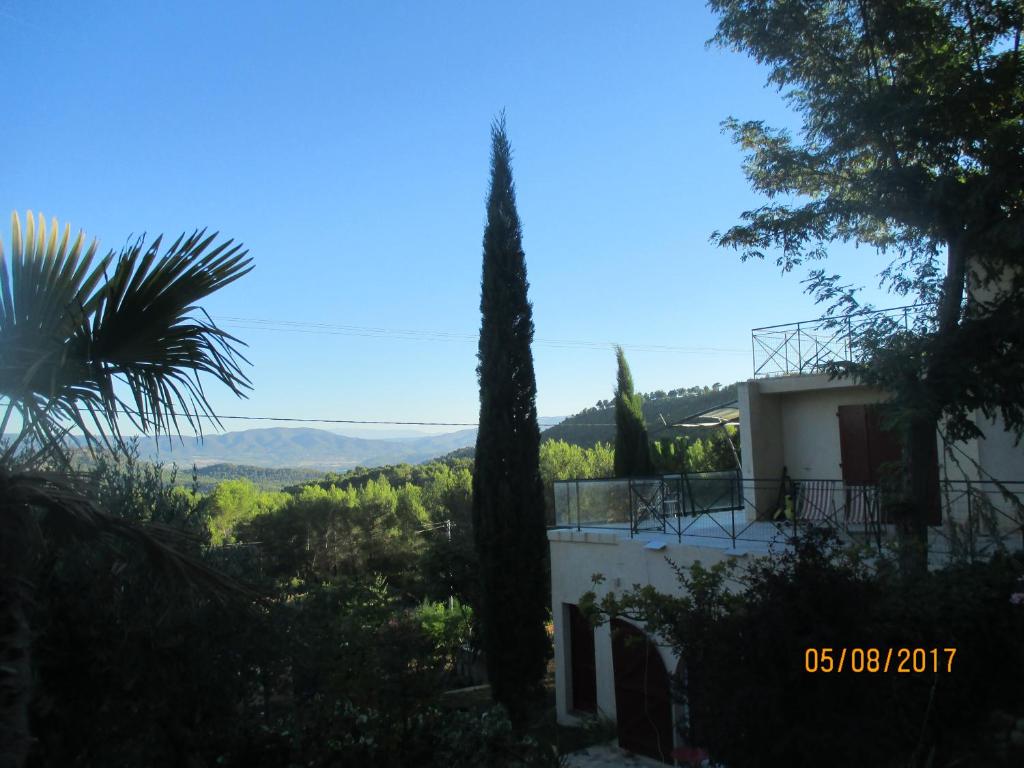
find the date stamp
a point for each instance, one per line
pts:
(903, 661)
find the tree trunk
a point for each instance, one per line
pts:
(920, 451)
(919, 448)
(15, 639)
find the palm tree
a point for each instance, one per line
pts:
(84, 341)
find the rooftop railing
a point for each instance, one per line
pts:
(809, 346)
(978, 517)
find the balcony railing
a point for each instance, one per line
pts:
(810, 345)
(977, 516)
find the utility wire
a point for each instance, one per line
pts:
(335, 329)
(382, 422)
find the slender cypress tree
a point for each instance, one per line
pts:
(508, 496)
(632, 452)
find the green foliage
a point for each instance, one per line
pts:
(712, 453)
(912, 144)
(319, 534)
(632, 452)
(167, 672)
(449, 627)
(334, 668)
(508, 495)
(234, 503)
(744, 633)
(597, 425)
(469, 740)
(84, 343)
(560, 460)
(144, 492)
(205, 479)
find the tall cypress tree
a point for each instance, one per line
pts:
(632, 452)
(508, 496)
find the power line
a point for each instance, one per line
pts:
(380, 422)
(337, 329)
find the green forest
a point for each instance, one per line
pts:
(365, 584)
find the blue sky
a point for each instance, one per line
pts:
(347, 144)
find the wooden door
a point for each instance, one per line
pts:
(643, 705)
(582, 666)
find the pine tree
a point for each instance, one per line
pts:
(632, 453)
(508, 495)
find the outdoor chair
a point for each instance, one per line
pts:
(815, 501)
(862, 505)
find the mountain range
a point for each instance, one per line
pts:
(301, 447)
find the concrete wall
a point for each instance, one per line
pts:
(575, 557)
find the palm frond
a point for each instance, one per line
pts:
(73, 337)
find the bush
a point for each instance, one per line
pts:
(751, 701)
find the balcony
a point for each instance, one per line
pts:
(717, 509)
(809, 346)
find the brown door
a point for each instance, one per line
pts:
(642, 703)
(871, 454)
(583, 668)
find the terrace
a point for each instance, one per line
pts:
(809, 346)
(717, 509)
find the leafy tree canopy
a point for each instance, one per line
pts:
(912, 143)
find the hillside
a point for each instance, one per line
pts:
(301, 448)
(593, 425)
(265, 478)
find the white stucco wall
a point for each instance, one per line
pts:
(997, 453)
(810, 429)
(760, 439)
(575, 557)
(791, 421)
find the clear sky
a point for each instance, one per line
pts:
(347, 145)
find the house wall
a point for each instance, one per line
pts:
(810, 429)
(760, 440)
(791, 422)
(997, 453)
(575, 557)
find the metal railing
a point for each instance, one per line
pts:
(809, 346)
(978, 517)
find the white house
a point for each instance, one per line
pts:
(813, 450)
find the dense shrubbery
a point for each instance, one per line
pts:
(341, 662)
(752, 703)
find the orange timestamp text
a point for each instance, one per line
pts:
(903, 661)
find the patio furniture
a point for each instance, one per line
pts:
(816, 501)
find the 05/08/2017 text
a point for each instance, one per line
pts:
(874, 660)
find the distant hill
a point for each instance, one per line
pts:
(594, 425)
(301, 448)
(597, 425)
